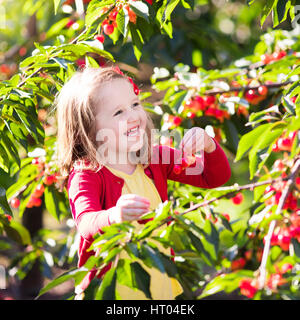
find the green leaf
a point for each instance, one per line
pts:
(56, 5)
(124, 275)
(94, 11)
(267, 10)
(231, 134)
(225, 282)
(296, 246)
(280, 11)
(200, 248)
(107, 289)
(151, 257)
(141, 279)
(18, 232)
(137, 41)
(4, 206)
(258, 151)
(76, 274)
(53, 202)
(10, 148)
(141, 9)
(248, 139)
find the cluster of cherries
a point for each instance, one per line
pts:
(285, 142)
(48, 179)
(277, 55)
(186, 161)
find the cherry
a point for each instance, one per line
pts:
(286, 267)
(226, 216)
(177, 121)
(248, 255)
(285, 144)
(247, 288)
(184, 163)
(49, 180)
(108, 29)
(191, 115)
(209, 100)
(266, 58)
(39, 190)
(100, 38)
(297, 182)
(278, 55)
(37, 201)
(238, 198)
(262, 90)
(238, 264)
(251, 96)
(8, 217)
(279, 165)
(113, 15)
(15, 203)
(70, 23)
(177, 169)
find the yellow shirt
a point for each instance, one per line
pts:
(161, 286)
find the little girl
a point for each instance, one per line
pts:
(102, 126)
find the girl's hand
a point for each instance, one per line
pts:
(129, 207)
(195, 140)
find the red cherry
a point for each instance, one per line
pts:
(35, 161)
(200, 102)
(238, 198)
(100, 38)
(48, 180)
(286, 267)
(39, 190)
(210, 112)
(8, 217)
(293, 99)
(297, 181)
(184, 163)
(279, 165)
(285, 144)
(108, 29)
(250, 96)
(226, 216)
(113, 15)
(247, 288)
(238, 264)
(177, 169)
(278, 55)
(177, 121)
(70, 23)
(191, 115)
(269, 189)
(37, 201)
(262, 90)
(275, 147)
(209, 100)
(266, 58)
(15, 203)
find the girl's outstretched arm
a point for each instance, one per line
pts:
(216, 170)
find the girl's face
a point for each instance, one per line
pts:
(120, 118)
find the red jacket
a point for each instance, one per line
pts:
(93, 193)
